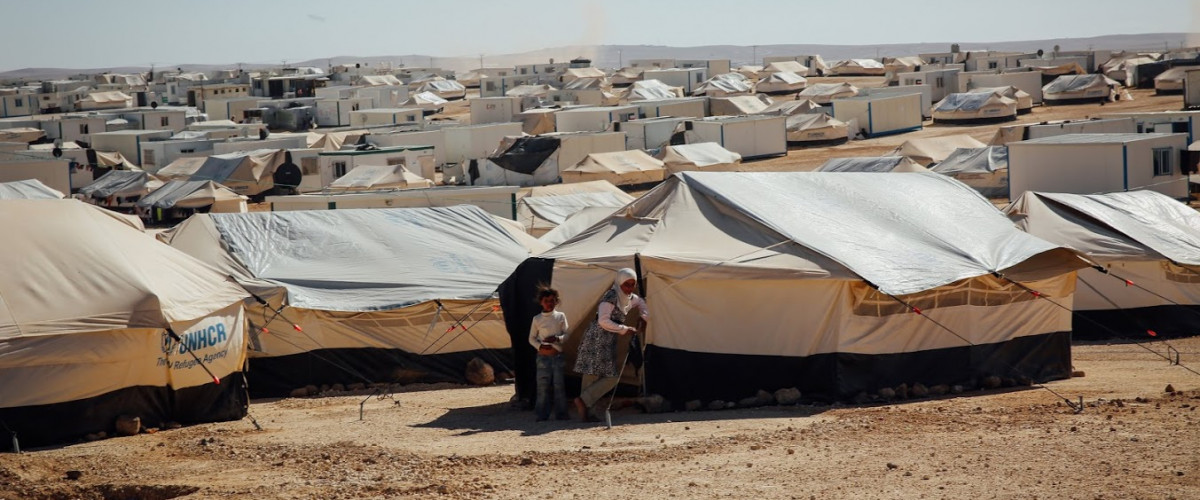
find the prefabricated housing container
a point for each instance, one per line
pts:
(925, 90)
(649, 133)
(942, 82)
(387, 117)
(1191, 89)
(55, 173)
(496, 200)
(417, 159)
(593, 119)
(1028, 81)
(1098, 163)
(128, 142)
(494, 109)
(696, 107)
(750, 136)
(275, 141)
(158, 154)
(881, 115)
(475, 141)
(687, 78)
(435, 138)
(336, 112)
(1023, 132)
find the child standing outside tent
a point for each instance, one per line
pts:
(547, 334)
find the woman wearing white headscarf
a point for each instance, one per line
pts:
(597, 356)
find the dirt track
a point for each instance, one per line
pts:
(466, 443)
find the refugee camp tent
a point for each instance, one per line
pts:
(749, 71)
(379, 81)
(622, 168)
(984, 169)
(701, 157)
(935, 149)
(781, 83)
(575, 224)
(373, 177)
(1124, 70)
(379, 295)
(906, 64)
(815, 129)
(793, 67)
(738, 105)
(428, 101)
(530, 91)
(974, 107)
(725, 85)
(121, 187)
(648, 90)
(181, 194)
(714, 251)
(626, 76)
(1023, 99)
(877, 164)
(857, 67)
(246, 172)
(446, 89)
(1145, 237)
(182, 168)
(1171, 80)
(29, 189)
(794, 107)
(333, 141)
(825, 93)
(545, 207)
(1067, 89)
(538, 160)
(21, 134)
(99, 320)
(572, 74)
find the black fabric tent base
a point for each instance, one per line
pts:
(56, 423)
(682, 376)
(1168, 321)
(280, 375)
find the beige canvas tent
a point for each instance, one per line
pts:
(194, 195)
(626, 76)
(377, 177)
(725, 85)
(714, 250)
(572, 74)
(935, 149)
(333, 141)
(621, 168)
(974, 107)
(793, 107)
(543, 208)
(793, 67)
(29, 189)
(825, 93)
(984, 169)
(1171, 80)
(877, 164)
(857, 67)
(649, 90)
(538, 121)
(380, 295)
(246, 172)
(738, 105)
(1145, 237)
(103, 321)
(781, 83)
(1069, 89)
(1023, 99)
(21, 134)
(815, 128)
(698, 157)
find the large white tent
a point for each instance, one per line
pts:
(1068, 89)
(815, 128)
(1145, 237)
(368, 177)
(715, 251)
(379, 294)
(929, 150)
(701, 156)
(825, 93)
(29, 189)
(974, 107)
(877, 164)
(543, 208)
(90, 307)
(781, 83)
(621, 168)
(984, 169)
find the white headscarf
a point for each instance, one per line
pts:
(623, 299)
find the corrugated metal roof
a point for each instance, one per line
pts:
(1094, 138)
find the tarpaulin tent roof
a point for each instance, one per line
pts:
(188, 194)
(111, 97)
(576, 224)
(426, 100)
(794, 107)
(247, 172)
(935, 149)
(617, 167)
(380, 177)
(781, 81)
(1023, 99)
(699, 156)
(526, 154)
(182, 168)
(857, 66)
(439, 86)
(586, 83)
(529, 91)
(822, 93)
(21, 134)
(114, 159)
(557, 209)
(967, 101)
(793, 67)
(29, 189)
(370, 259)
(649, 90)
(1115, 226)
(924, 249)
(1076, 83)
(379, 80)
(738, 105)
(728, 83)
(577, 73)
(333, 141)
(973, 160)
(876, 164)
(122, 184)
(808, 127)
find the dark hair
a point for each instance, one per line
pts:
(546, 291)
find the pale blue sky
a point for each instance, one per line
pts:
(98, 33)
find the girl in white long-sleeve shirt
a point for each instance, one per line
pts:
(547, 334)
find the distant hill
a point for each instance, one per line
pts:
(612, 56)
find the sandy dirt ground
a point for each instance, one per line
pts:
(1132, 440)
